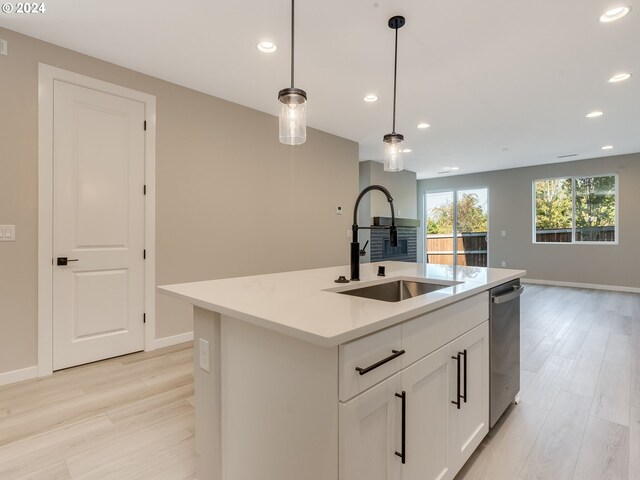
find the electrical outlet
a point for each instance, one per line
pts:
(504, 233)
(4, 47)
(203, 353)
(349, 234)
(504, 264)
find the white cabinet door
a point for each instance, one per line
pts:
(426, 384)
(469, 423)
(370, 433)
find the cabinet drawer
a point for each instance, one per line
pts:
(429, 332)
(364, 354)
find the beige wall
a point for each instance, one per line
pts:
(510, 209)
(231, 200)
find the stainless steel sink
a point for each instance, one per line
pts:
(396, 291)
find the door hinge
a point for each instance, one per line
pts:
(144, 190)
(144, 318)
(144, 253)
(145, 125)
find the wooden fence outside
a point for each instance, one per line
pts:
(471, 249)
(563, 235)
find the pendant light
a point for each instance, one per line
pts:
(393, 140)
(293, 106)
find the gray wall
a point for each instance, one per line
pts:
(510, 209)
(402, 186)
(231, 200)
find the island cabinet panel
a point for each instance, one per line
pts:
(427, 388)
(441, 429)
(279, 405)
(369, 360)
(470, 423)
(370, 433)
(427, 333)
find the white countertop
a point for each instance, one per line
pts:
(299, 304)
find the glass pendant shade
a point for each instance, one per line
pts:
(293, 116)
(393, 153)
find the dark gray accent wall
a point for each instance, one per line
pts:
(511, 210)
(406, 251)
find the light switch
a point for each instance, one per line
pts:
(504, 233)
(7, 233)
(4, 47)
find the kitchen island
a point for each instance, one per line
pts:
(295, 380)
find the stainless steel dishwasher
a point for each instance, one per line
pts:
(504, 347)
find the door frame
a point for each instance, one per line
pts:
(454, 191)
(46, 77)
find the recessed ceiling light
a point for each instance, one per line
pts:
(423, 125)
(620, 77)
(455, 168)
(406, 150)
(607, 147)
(614, 14)
(370, 98)
(594, 114)
(267, 47)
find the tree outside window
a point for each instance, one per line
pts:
(569, 210)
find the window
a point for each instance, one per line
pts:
(576, 210)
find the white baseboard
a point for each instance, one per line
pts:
(594, 286)
(18, 375)
(173, 340)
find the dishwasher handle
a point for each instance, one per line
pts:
(507, 297)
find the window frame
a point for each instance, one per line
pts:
(573, 209)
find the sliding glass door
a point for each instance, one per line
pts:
(457, 227)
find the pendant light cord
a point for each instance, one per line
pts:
(292, 38)
(395, 76)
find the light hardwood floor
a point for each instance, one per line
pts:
(579, 415)
(131, 418)
(127, 418)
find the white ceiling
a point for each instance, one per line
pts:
(487, 75)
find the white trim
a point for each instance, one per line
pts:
(593, 286)
(46, 76)
(174, 340)
(18, 375)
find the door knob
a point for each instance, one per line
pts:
(63, 261)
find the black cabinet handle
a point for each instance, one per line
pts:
(403, 455)
(464, 366)
(63, 261)
(458, 396)
(395, 354)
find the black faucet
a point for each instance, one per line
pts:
(355, 246)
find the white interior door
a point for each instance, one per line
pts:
(98, 224)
